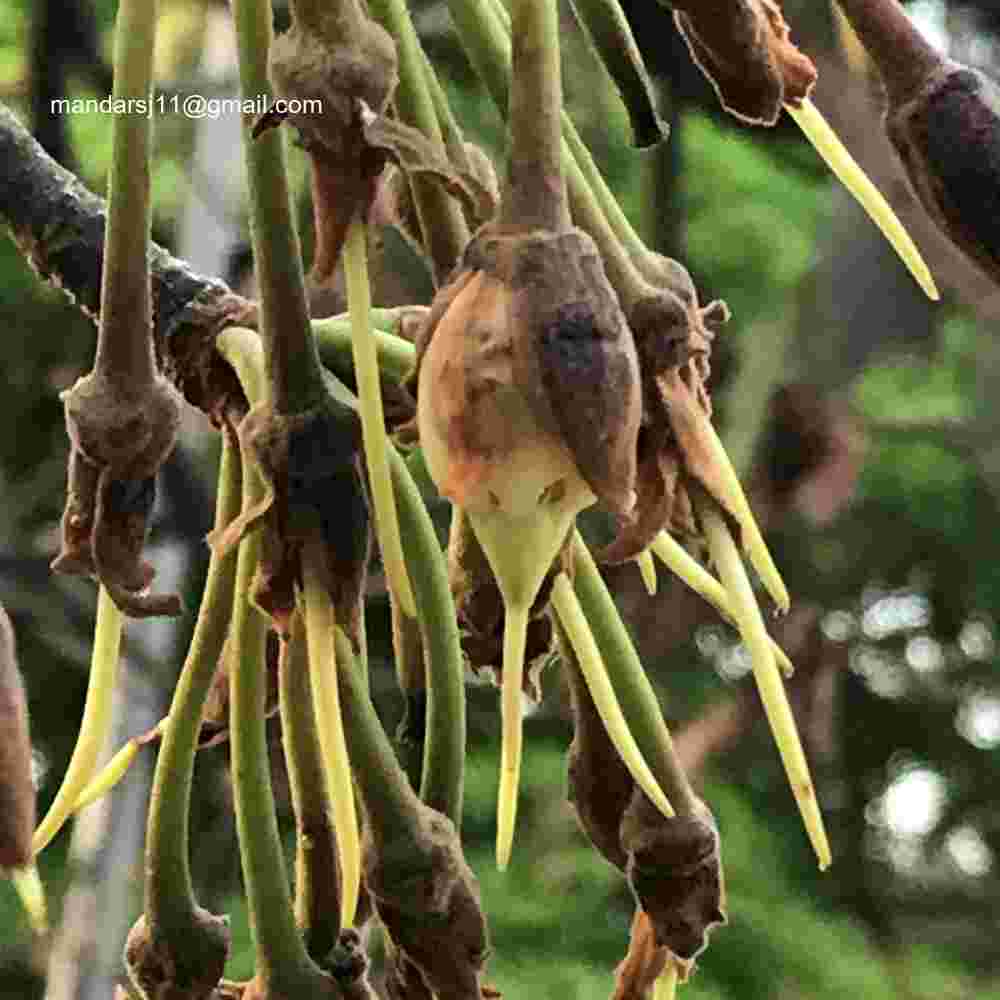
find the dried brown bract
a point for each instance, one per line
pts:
(119, 436)
(673, 334)
(17, 791)
(315, 495)
(428, 899)
(744, 48)
(675, 872)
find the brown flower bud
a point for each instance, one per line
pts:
(944, 121)
(528, 378)
(744, 49)
(428, 900)
(948, 138)
(675, 872)
(120, 437)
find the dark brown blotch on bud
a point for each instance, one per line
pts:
(428, 900)
(948, 138)
(675, 872)
(744, 48)
(17, 792)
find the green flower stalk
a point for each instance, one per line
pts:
(372, 422)
(175, 933)
(291, 359)
(635, 694)
(284, 969)
(442, 781)
(96, 720)
(28, 886)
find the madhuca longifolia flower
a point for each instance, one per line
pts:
(528, 408)
(528, 390)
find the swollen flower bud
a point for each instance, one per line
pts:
(529, 384)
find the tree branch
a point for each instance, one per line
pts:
(58, 225)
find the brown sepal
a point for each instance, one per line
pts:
(428, 900)
(416, 155)
(674, 335)
(744, 48)
(119, 439)
(17, 792)
(315, 495)
(637, 973)
(675, 871)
